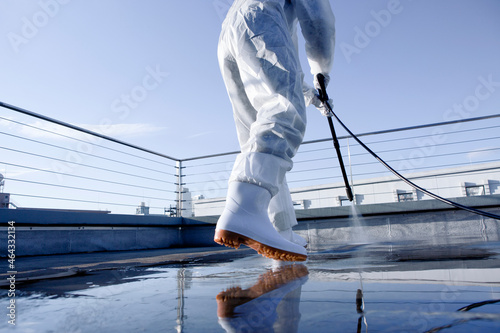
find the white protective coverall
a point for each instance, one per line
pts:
(258, 57)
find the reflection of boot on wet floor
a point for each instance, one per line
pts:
(254, 309)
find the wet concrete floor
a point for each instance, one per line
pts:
(384, 287)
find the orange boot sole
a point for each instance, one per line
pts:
(234, 240)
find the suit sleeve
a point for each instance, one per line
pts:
(317, 23)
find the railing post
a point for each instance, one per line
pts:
(180, 189)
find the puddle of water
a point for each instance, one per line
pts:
(250, 295)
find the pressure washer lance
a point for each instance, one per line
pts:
(323, 97)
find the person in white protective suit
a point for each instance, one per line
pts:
(259, 62)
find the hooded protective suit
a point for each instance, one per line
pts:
(258, 57)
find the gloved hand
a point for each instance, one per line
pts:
(321, 106)
(311, 96)
(321, 81)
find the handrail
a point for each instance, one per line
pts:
(394, 130)
(102, 136)
(83, 130)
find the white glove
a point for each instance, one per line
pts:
(321, 107)
(311, 96)
(309, 93)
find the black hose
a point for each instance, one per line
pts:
(435, 196)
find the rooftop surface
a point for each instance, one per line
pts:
(376, 287)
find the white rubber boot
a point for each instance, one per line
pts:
(245, 221)
(290, 235)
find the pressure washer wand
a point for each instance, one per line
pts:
(323, 96)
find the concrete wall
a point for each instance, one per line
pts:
(42, 232)
(433, 228)
(427, 221)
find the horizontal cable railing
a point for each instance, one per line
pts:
(447, 158)
(50, 164)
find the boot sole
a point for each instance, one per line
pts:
(234, 240)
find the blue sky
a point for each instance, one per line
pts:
(397, 63)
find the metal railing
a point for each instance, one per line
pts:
(51, 164)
